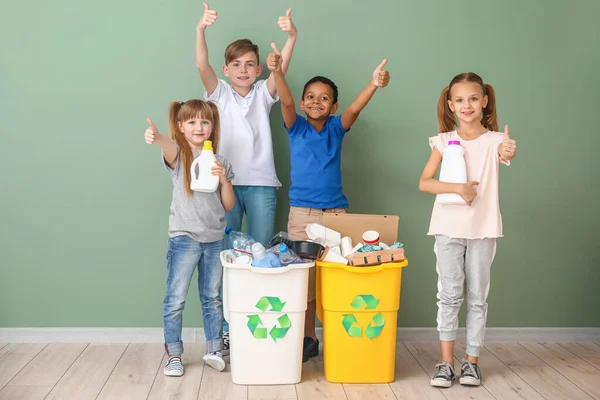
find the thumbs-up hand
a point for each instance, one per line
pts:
(508, 147)
(381, 77)
(209, 17)
(274, 59)
(286, 25)
(151, 133)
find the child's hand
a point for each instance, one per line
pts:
(468, 192)
(151, 132)
(508, 146)
(209, 18)
(381, 78)
(274, 59)
(219, 170)
(286, 24)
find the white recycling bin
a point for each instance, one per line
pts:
(265, 309)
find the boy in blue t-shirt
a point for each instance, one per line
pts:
(315, 151)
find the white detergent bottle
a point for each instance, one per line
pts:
(204, 180)
(454, 170)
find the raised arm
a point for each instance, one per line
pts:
(169, 149)
(429, 184)
(286, 25)
(207, 73)
(380, 78)
(288, 108)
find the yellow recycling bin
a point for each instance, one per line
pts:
(358, 307)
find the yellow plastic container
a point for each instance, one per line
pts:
(358, 307)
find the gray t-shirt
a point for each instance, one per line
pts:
(200, 216)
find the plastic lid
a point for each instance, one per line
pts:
(227, 230)
(449, 143)
(283, 248)
(207, 145)
(258, 251)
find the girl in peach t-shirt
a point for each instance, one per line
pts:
(465, 235)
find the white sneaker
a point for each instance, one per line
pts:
(215, 360)
(174, 367)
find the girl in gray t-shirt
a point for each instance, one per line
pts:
(196, 227)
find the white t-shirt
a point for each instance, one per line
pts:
(246, 133)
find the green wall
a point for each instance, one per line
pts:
(84, 201)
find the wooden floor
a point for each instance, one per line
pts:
(121, 371)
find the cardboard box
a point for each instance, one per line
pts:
(354, 225)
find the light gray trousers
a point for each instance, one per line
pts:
(461, 261)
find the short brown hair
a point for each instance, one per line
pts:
(239, 48)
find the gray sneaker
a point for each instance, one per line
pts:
(443, 376)
(174, 367)
(225, 350)
(470, 374)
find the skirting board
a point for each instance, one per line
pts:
(191, 335)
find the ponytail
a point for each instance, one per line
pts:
(446, 119)
(490, 119)
(185, 156)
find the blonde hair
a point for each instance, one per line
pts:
(446, 119)
(181, 112)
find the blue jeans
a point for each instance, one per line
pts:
(258, 203)
(184, 255)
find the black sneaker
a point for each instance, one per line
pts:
(470, 374)
(443, 376)
(225, 350)
(311, 348)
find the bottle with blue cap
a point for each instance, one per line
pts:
(240, 243)
(286, 255)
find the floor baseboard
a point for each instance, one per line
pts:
(191, 335)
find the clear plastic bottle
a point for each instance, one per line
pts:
(286, 255)
(241, 243)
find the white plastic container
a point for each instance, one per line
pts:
(204, 180)
(259, 304)
(453, 170)
(328, 237)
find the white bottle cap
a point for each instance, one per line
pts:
(258, 251)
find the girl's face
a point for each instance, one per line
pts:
(467, 101)
(196, 131)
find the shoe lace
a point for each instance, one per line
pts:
(444, 369)
(468, 369)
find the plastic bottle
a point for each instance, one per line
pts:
(286, 255)
(454, 170)
(204, 181)
(241, 243)
(262, 258)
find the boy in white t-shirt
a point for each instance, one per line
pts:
(244, 106)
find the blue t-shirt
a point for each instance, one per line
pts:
(316, 164)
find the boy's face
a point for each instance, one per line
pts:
(243, 70)
(318, 101)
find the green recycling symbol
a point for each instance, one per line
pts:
(255, 323)
(377, 322)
